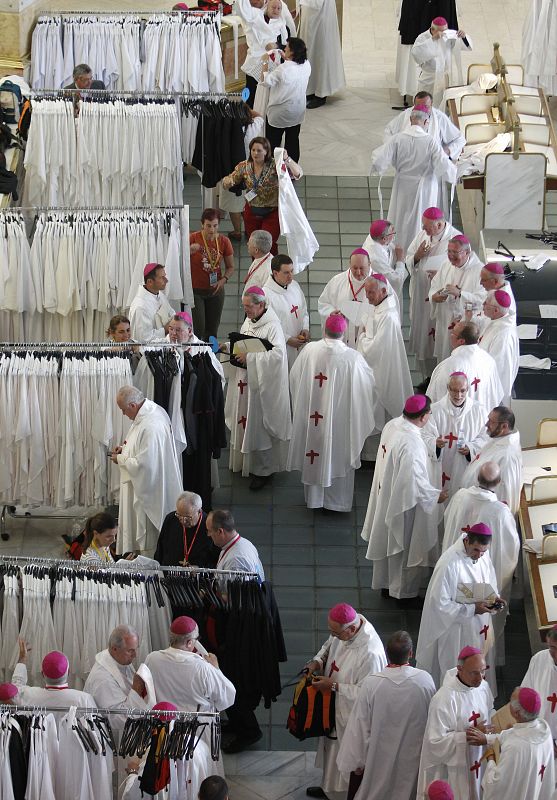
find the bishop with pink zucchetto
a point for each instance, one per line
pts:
(433, 51)
(346, 287)
(387, 256)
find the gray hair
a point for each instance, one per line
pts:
(61, 681)
(190, 499)
(130, 394)
(180, 639)
(333, 334)
(262, 240)
(119, 635)
(80, 70)
(418, 116)
(463, 245)
(526, 716)
(260, 299)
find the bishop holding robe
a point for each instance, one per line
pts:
(346, 286)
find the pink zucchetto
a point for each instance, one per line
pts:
(7, 691)
(423, 109)
(530, 700)
(164, 706)
(415, 403)
(458, 375)
(468, 651)
(255, 290)
(503, 298)
(439, 21)
(343, 614)
(379, 277)
(461, 239)
(359, 251)
(378, 228)
(55, 665)
(148, 268)
(185, 316)
(495, 267)
(481, 528)
(183, 625)
(439, 790)
(336, 323)
(433, 213)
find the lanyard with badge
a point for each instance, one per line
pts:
(252, 194)
(211, 261)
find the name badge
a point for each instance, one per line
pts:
(251, 195)
(213, 278)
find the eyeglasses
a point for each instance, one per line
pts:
(184, 517)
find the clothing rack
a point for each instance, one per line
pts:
(107, 345)
(87, 209)
(141, 14)
(117, 93)
(128, 712)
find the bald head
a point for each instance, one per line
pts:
(489, 475)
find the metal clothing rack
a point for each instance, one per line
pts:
(106, 345)
(117, 93)
(88, 209)
(128, 712)
(141, 14)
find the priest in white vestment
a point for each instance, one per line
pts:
(150, 479)
(539, 46)
(451, 138)
(433, 52)
(464, 701)
(55, 694)
(286, 298)
(150, 311)
(542, 676)
(351, 653)
(449, 622)
(502, 447)
(493, 277)
(425, 255)
(387, 258)
(468, 357)
(346, 286)
(455, 287)
(332, 391)
(500, 339)
(456, 429)
(383, 738)
(320, 31)
(419, 163)
(259, 248)
(401, 520)
(257, 407)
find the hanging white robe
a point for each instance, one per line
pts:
(259, 272)
(257, 407)
(447, 625)
(150, 478)
(539, 46)
(301, 243)
(401, 520)
(332, 391)
(149, 313)
(479, 367)
(507, 453)
(289, 304)
(541, 675)
(445, 753)
(419, 164)
(341, 288)
(440, 127)
(348, 662)
(385, 731)
(500, 339)
(383, 260)
(434, 57)
(320, 31)
(453, 423)
(445, 314)
(526, 767)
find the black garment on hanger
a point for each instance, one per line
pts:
(416, 17)
(219, 141)
(18, 760)
(164, 367)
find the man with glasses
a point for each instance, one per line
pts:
(183, 539)
(387, 257)
(351, 653)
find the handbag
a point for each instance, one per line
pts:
(312, 712)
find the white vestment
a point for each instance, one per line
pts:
(149, 313)
(440, 127)
(110, 684)
(445, 314)
(479, 367)
(347, 662)
(451, 422)
(447, 625)
(289, 304)
(257, 408)
(383, 260)
(340, 289)
(389, 753)
(332, 391)
(445, 754)
(500, 340)
(539, 46)
(419, 164)
(526, 767)
(259, 272)
(319, 30)
(401, 519)
(421, 328)
(150, 478)
(507, 452)
(434, 57)
(542, 676)
(49, 696)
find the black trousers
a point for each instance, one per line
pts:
(251, 84)
(291, 139)
(242, 719)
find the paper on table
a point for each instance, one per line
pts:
(531, 362)
(536, 262)
(548, 312)
(527, 331)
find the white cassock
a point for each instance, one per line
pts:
(340, 289)
(149, 313)
(332, 391)
(467, 423)
(479, 367)
(383, 260)
(507, 453)
(526, 767)
(539, 46)
(289, 304)
(347, 663)
(48, 696)
(440, 127)
(401, 520)
(500, 339)
(421, 328)
(444, 315)
(388, 435)
(445, 754)
(257, 407)
(434, 57)
(419, 164)
(446, 625)
(110, 684)
(319, 30)
(259, 272)
(150, 478)
(389, 753)
(542, 676)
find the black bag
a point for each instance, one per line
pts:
(312, 713)
(11, 101)
(8, 182)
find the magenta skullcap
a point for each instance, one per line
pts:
(415, 403)
(55, 665)
(503, 298)
(148, 268)
(495, 267)
(439, 21)
(378, 228)
(181, 7)
(343, 614)
(423, 109)
(359, 251)
(468, 651)
(439, 790)
(481, 527)
(255, 290)
(458, 375)
(461, 239)
(378, 277)
(336, 323)
(164, 706)
(183, 625)
(530, 700)
(7, 691)
(185, 316)
(433, 213)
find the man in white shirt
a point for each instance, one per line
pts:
(440, 127)
(150, 311)
(286, 298)
(432, 51)
(500, 339)
(259, 249)
(55, 669)
(542, 676)
(346, 286)
(236, 553)
(387, 257)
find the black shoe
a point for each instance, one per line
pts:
(239, 743)
(258, 482)
(309, 97)
(385, 594)
(315, 791)
(316, 102)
